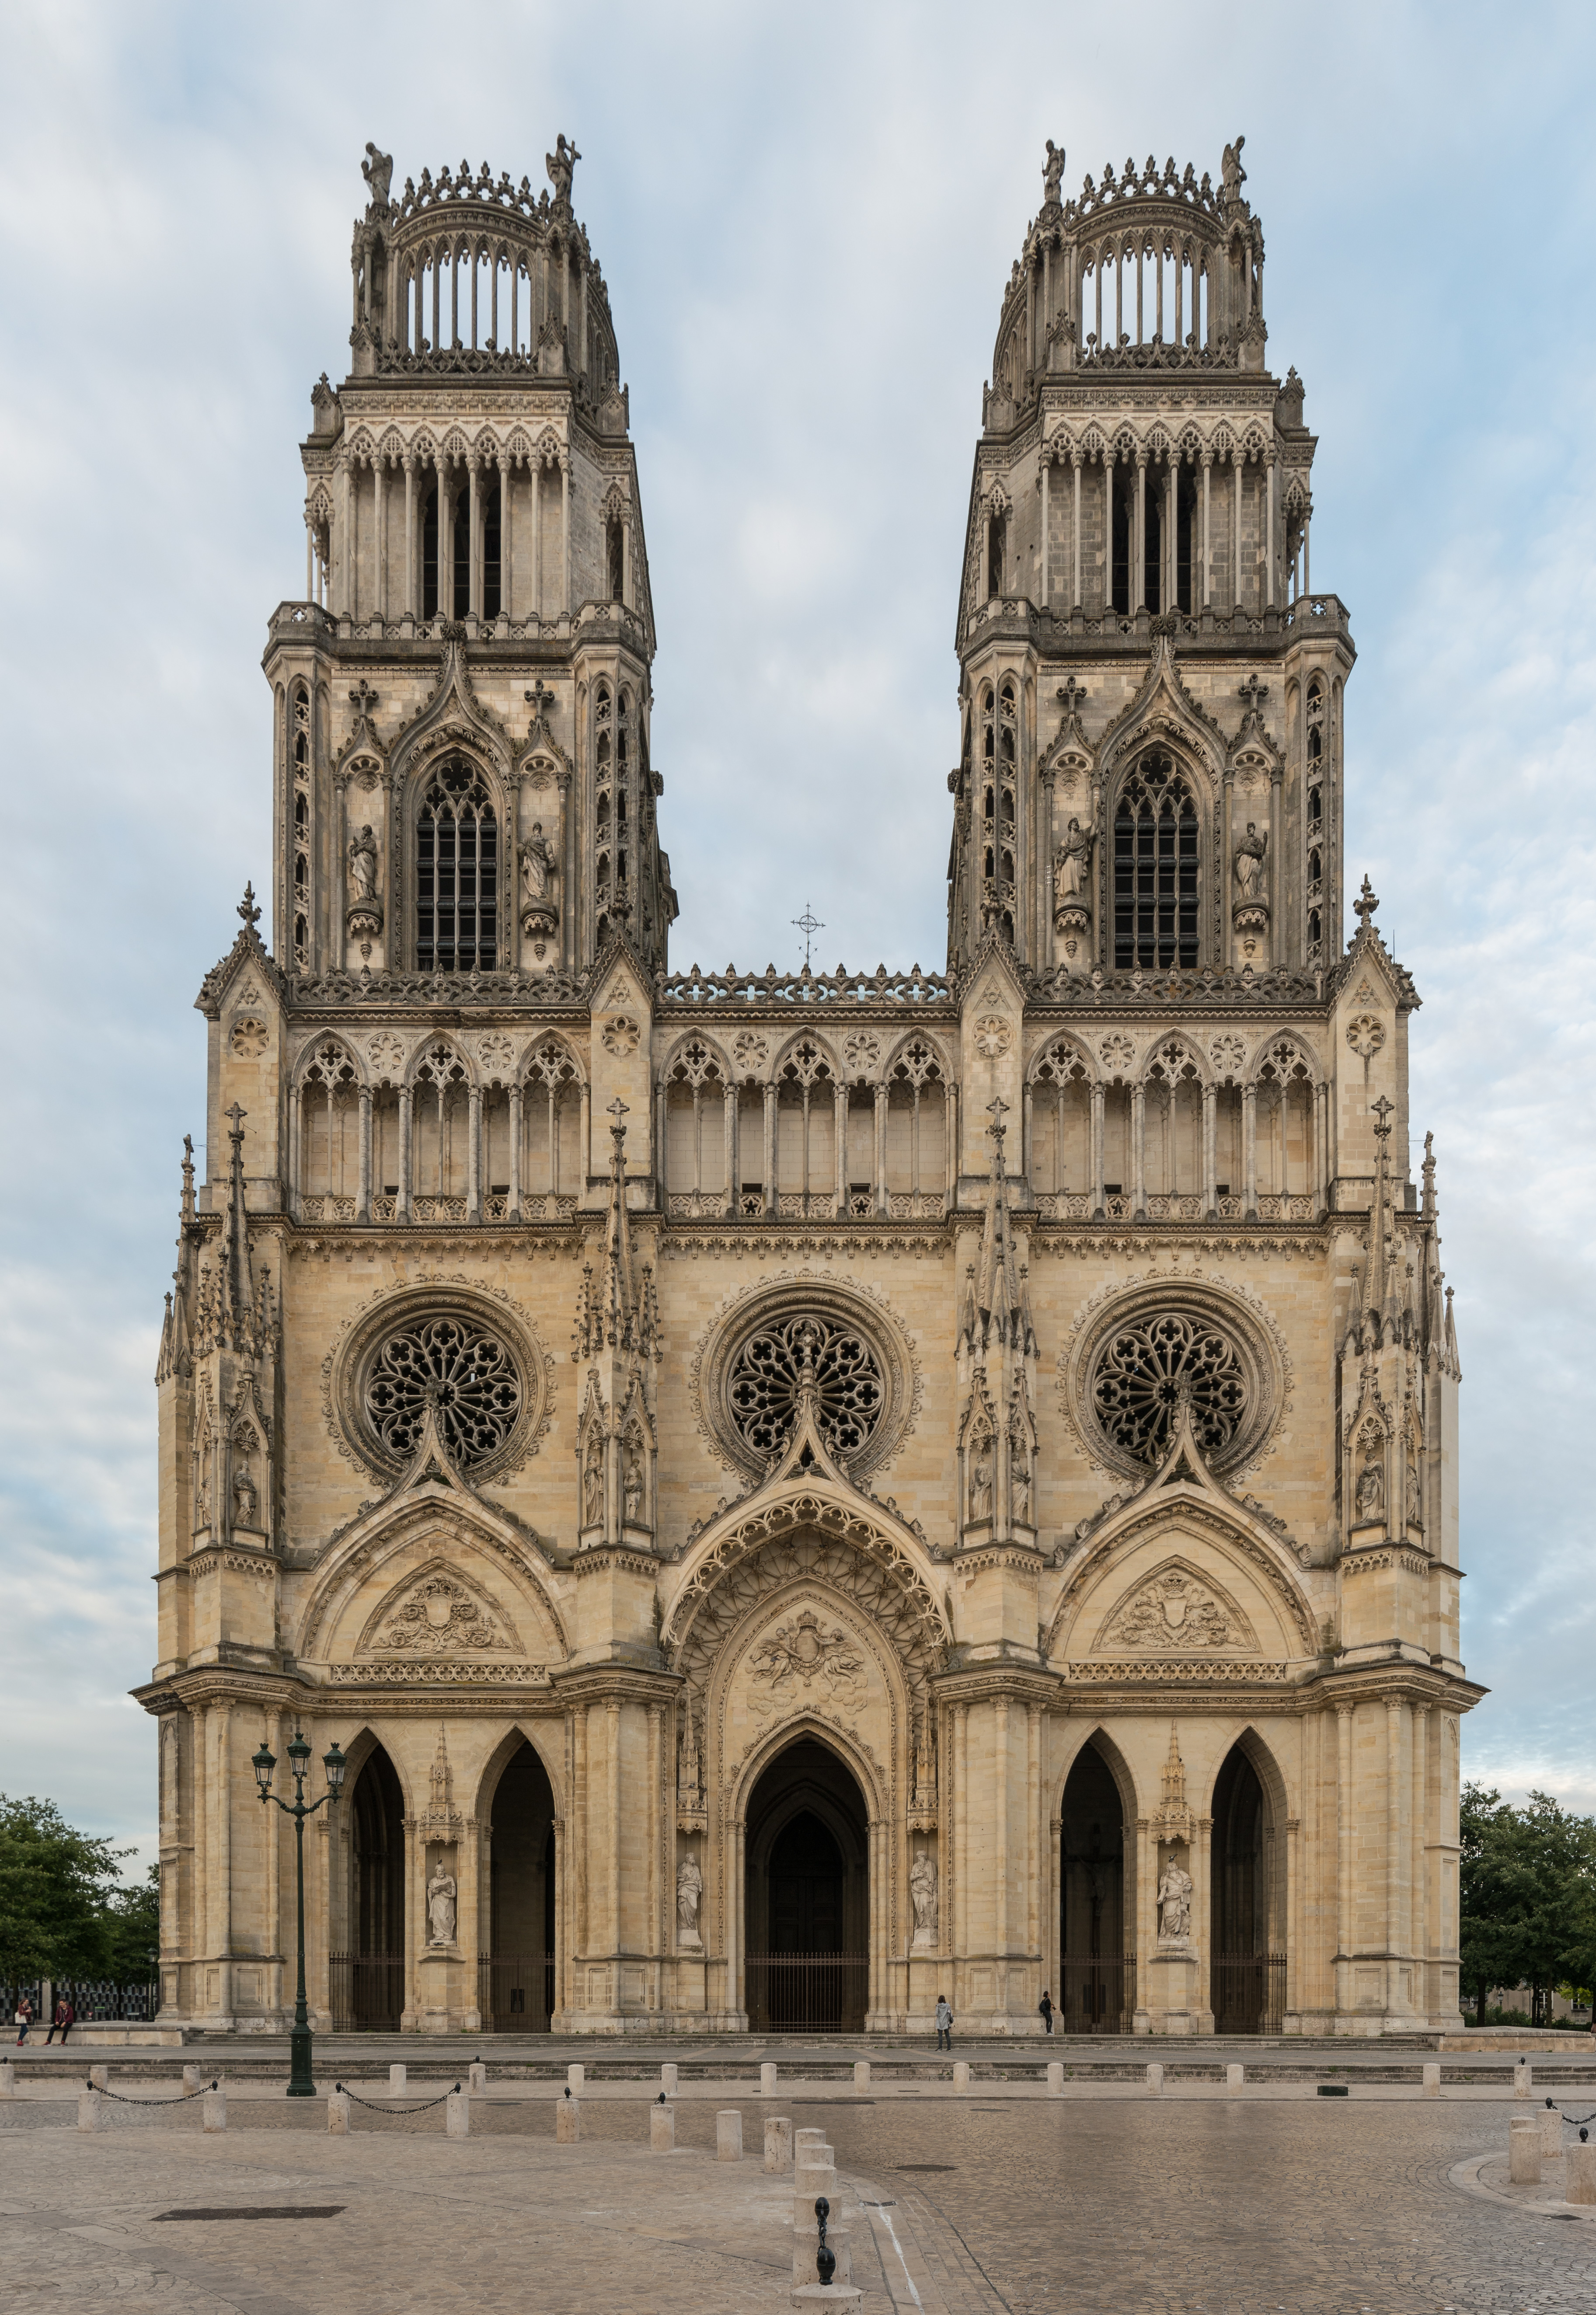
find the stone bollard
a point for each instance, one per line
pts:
(477, 2077)
(395, 2081)
(338, 2113)
(1055, 2078)
(1523, 2151)
(779, 2143)
(960, 2073)
(1524, 2076)
(213, 2110)
(1582, 2175)
(668, 2081)
(457, 2115)
(1234, 2077)
(661, 2127)
(861, 2073)
(1156, 2081)
(8, 2078)
(768, 2081)
(576, 2078)
(91, 2110)
(729, 2135)
(193, 2079)
(568, 2120)
(1551, 2131)
(1432, 2080)
(100, 2077)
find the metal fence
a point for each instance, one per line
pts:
(807, 1994)
(1098, 1995)
(366, 1991)
(515, 1992)
(94, 1998)
(13, 1993)
(1247, 1992)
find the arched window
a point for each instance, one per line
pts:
(461, 529)
(300, 752)
(1156, 869)
(429, 554)
(456, 874)
(613, 556)
(603, 807)
(493, 550)
(1316, 819)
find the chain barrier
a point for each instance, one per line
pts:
(181, 2098)
(425, 2108)
(1578, 2121)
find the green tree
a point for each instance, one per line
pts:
(1527, 1896)
(1490, 1947)
(133, 1921)
(59, 1891)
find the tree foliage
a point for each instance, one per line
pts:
(1527, 1896)
(65, 1910)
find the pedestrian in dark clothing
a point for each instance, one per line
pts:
(944, 2023)
(65, 2019)
(1046, 2007)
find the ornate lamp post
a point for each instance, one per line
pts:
(300, 2084)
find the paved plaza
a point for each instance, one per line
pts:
(1196, 2202)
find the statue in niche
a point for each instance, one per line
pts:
(560, 164)
(1232, 175)
(632, 1482)
(537, 869)
(1020, 1487)
(1175, 1904)
(1416, 1508)
(689, 1890)
(378, 169)
(441, 1894)
(1249, 864)
(922, 1891)
(362, 868)
(1072, 866)
(593, 1487)
(980, 1483)
(1052, 173)
(1371, 1491)
(245, 1500)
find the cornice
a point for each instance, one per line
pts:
(614, 1559)
(617, 1684)
(983, 1683)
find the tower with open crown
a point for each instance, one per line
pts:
(800, 1492)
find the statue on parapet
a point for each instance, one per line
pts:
(378, 169)
(560, 164)
(1232, 175)
(1052, 173)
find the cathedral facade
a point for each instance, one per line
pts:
(797, 1493)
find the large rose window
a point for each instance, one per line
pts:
(467, 1370)
(1143, 1371)
(763, 1381)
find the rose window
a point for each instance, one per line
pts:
(762, 1386)
(469, 1373)
(1143, 1370)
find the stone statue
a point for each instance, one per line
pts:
(362, 868)
(378, 169)
(538, 869)
(560, 164)
(1232, 175)
(1175, 1905)
(593, 1487)
(980, 1483)
(1249, 864)
(440, 1908)
(922, 1891)
(1052, 172)
(689, 1889)
(1416, 1508)
(632, 1482)
(1371, 1491)
(244, 1498)
(1072, 864)
(1020, 1485)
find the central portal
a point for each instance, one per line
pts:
(807, 1902)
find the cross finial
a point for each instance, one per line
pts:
(363, 699)
(539, 698)
(235, 1135)
(247, 908)
(1253, 692)
(1070, 696)
(1382, 1109)
(1365, 905)
(809, 925)
(997, 1110)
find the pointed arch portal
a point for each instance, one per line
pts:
(516, 1990)
(1097, 1988)
(1247, 1933)
(807, 1899)
(366, 1981)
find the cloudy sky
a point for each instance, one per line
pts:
(806, 218)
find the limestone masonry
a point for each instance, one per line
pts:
(800, 1494)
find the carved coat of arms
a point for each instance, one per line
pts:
(802, 1657)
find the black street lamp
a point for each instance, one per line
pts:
(300, 2084)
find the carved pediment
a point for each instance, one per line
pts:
(1176, 1611)
(435, 1613)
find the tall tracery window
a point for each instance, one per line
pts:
(604, 808)
(430, 554)
(456, 874)
(1155, 879)
(1316, 820)
(299, 749)
(995, 833)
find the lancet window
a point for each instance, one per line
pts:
(998, 822)
(300, 755)
(329, 1137)
(551, 1132)
(700, 1115)
(429, 510)
(456, 874)
(442, 1139)
(810, 1113)
(1315, 879)
(1287, 1160)
(612, 807)
(1060, 1098)
(1156, 869)
(915, 1154)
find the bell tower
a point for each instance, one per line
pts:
(1149, 773)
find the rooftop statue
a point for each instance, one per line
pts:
(1232, 174)
(560, 164)
(378, 169)
(1052, 172)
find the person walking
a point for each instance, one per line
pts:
(63, 2022)
(1046, 2007)
(23, 2019)
(944, 2023)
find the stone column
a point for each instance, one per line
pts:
(1396, 1940)
(1226, 862)
(515, 1151)
(564, 532)
(379, 486)
(839, 1118)
(1249, 1150)
(1343, 1853)
(1047, 469)
(1419, 1937)
(1139, 1152)
(473, 1112)
(1321, 1149)
(1097, 1206)
(1207, 530)
(221, 1938)
(729, 1129)
(770, 1151)
(1138, 597)
(1211, 1172)
(363, 1199)
(1277, 884)
(474, 550)
(405, 1155)
(507, 468)
(1202, 1913)
(1237, 460)
(1075, 461)
(407, 600)
(1270, 471)
(1170, 589)
(338, 944)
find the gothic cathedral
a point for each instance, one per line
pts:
(796, 1493)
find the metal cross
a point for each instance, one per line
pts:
(1253, 692)
(809, 925)
(1071, 695)
(540, 697)
(364, 699)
